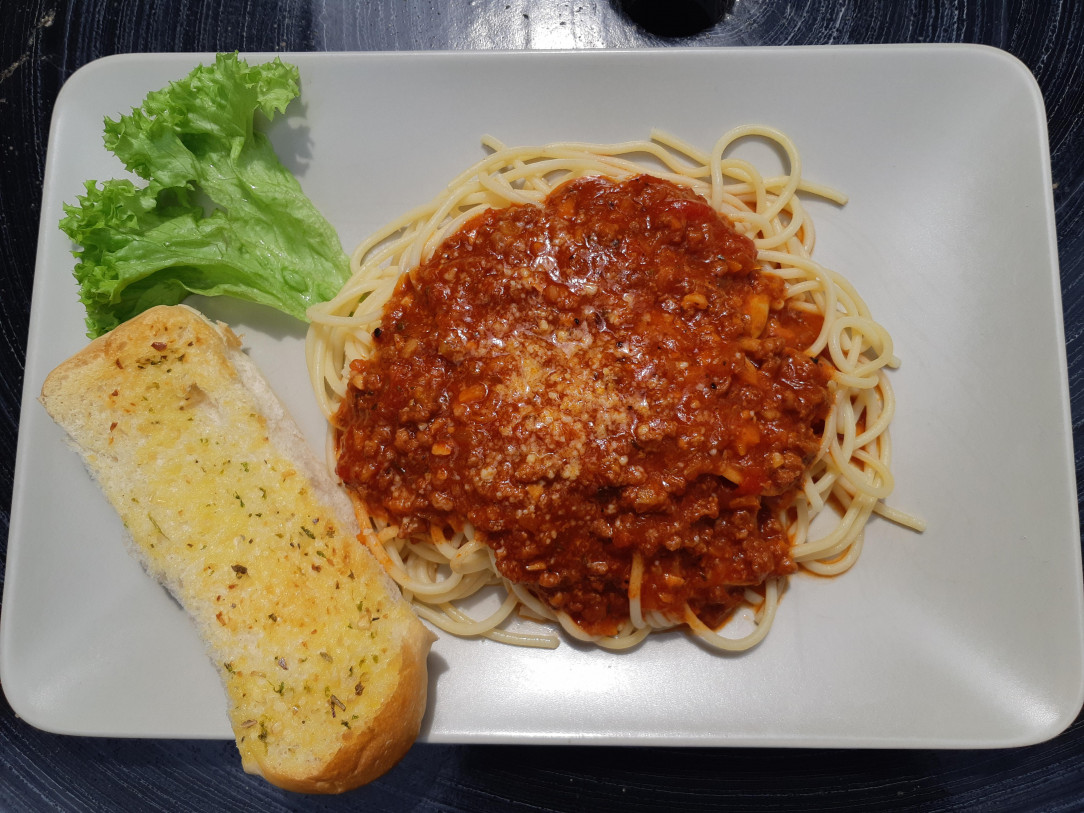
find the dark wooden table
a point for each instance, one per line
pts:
(42, 43)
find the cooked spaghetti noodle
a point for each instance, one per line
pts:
(850, 471)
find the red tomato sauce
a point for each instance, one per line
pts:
(605, 374)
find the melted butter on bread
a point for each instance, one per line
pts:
(322, 659)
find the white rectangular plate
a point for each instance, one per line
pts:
(968, 635)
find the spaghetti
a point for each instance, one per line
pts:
(446, 562)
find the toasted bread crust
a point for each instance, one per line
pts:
(181, 431)
(368, 754)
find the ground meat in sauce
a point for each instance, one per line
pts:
(604, 374)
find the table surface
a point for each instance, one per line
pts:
(42, 43)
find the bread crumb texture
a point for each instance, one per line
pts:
(312, 640)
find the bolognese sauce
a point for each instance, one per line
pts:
(603, 376)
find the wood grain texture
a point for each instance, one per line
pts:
(43, 42)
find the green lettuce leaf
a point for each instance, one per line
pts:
(219, 213)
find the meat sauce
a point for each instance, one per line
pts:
(605, 374)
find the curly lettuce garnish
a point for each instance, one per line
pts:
(219, 214)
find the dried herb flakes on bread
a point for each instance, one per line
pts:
(323, 661)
